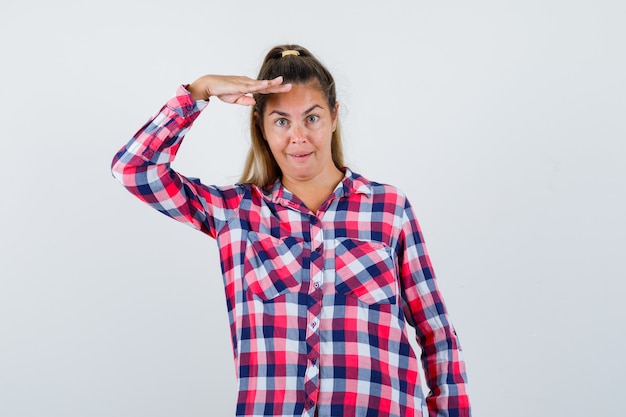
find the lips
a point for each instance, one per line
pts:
(300, 155)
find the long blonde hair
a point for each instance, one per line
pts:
(297, 68)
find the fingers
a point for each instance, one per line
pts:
(243, 100)
(246, 87)
(234, 88)
(271, 86)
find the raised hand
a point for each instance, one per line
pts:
(235, 89)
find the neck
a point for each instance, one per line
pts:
(314, 193)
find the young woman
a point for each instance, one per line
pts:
(323, 269)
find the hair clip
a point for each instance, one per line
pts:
(290, 52)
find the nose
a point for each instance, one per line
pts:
(298, 134)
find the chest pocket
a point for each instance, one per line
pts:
(272, 266)
(365, 270)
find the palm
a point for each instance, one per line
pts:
(235, 89)
(238, 98)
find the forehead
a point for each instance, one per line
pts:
(298, 99)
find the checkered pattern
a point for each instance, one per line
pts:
(318, 303)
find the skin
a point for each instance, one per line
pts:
(234, 89)
(297, 124)
(298, 127)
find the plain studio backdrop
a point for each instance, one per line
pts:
(503, 121)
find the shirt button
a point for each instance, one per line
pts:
(318, 249)
(314, 361)
(318, 285)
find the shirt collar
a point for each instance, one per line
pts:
(352, 183)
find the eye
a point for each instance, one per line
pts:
(281, 122)
(312, 118)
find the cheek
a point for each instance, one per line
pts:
(270, 132)
(274, 145)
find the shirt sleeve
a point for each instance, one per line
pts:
(424, 307)
(143, 167)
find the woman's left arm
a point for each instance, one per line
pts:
(424, 306)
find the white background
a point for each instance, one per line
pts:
(503, 121)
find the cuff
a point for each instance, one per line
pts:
(183, 105)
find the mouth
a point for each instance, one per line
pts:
(300, 156)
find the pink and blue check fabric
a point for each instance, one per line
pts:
(319, 303)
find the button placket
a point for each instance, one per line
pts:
(311, 379)
(317, 244)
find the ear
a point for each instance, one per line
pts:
(335, 116)
(259, 122)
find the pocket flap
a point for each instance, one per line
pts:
(273, 266)
(365, 270)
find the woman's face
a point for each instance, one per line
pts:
(298, 127)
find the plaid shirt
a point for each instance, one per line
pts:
(318, 303)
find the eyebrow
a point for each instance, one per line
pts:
(307, 111)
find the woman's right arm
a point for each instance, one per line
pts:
(143, 168)
(143, 165)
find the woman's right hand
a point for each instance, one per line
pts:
(235, 89)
